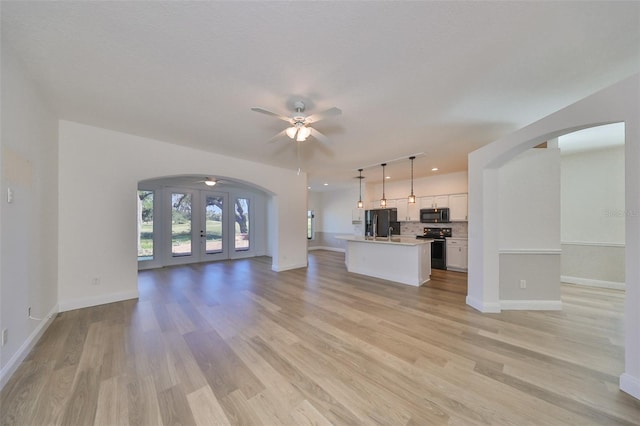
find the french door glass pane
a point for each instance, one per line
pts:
(213, 224)
(309, 224)
(145, 225)
(242, 224)
(180, 224)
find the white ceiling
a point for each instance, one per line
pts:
(439, 78)
(600, 137)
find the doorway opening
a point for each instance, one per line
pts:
(180, 220)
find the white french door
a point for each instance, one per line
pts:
(213, 240)
(196, 229)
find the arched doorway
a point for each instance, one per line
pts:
(195, 218)
(618, 103)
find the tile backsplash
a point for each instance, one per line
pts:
(458, 229)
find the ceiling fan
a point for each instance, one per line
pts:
(211, 181)
(300, 129)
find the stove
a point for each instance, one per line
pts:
(436, 233)
(438, 246)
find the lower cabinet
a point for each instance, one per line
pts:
(457, 254)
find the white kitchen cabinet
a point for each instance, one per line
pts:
(413, 212)
(457, 254)
(426, 202)
(440, 201)
(434, 202)
(357, 216)
(407, 212)
(458, 208)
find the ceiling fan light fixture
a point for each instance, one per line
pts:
(303, 134)
(210, 182)
(291, 132)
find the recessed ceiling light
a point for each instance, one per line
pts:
(308, 187)
(435, 169)
(387, 177)
(325, 184)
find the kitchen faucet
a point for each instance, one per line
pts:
(389, 234)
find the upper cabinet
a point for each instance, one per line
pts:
(407, 212)
(357, 216)
(434, 202)
(457, 204)
(458, 208)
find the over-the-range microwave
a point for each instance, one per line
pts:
(434, 215)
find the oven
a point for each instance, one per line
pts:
(438, 246)
(439, 254)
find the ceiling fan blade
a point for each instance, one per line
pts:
(264, 111)
(276, 137)
(324, 114)
(322, 138)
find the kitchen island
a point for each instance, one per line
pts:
(405, 260)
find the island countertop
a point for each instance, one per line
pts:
(402, 240)
(402, 259)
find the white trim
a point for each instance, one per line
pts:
(592, 283)
(630, 385)
(530, 251)
(486, 308)
(12, 365)
(590, 243)
(341, 250)
(70, 305)
(531, 305)
(288, 267)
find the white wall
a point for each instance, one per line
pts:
(99, 174)
(529, 233)
(593, 218)
(337, 207)
(529, 204)
(618, 103)
(450, 183)
(593, 196)
(333, 216)
(28, 225)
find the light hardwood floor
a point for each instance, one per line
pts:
(235, 343)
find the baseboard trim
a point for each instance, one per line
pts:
(588, 243)
(70, 305)
(630, 385)
(486, 308)
(555, 252)
(288, 267)
(17, 358)
(531, 305)
(593, 283)
(338, 249)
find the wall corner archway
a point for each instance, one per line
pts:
(617, 103)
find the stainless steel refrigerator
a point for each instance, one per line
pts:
(383, 219)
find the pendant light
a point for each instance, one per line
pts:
(383, 200)
(360, 177)
(412, 198)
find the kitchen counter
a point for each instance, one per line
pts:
(406, 260)
(397, 239)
